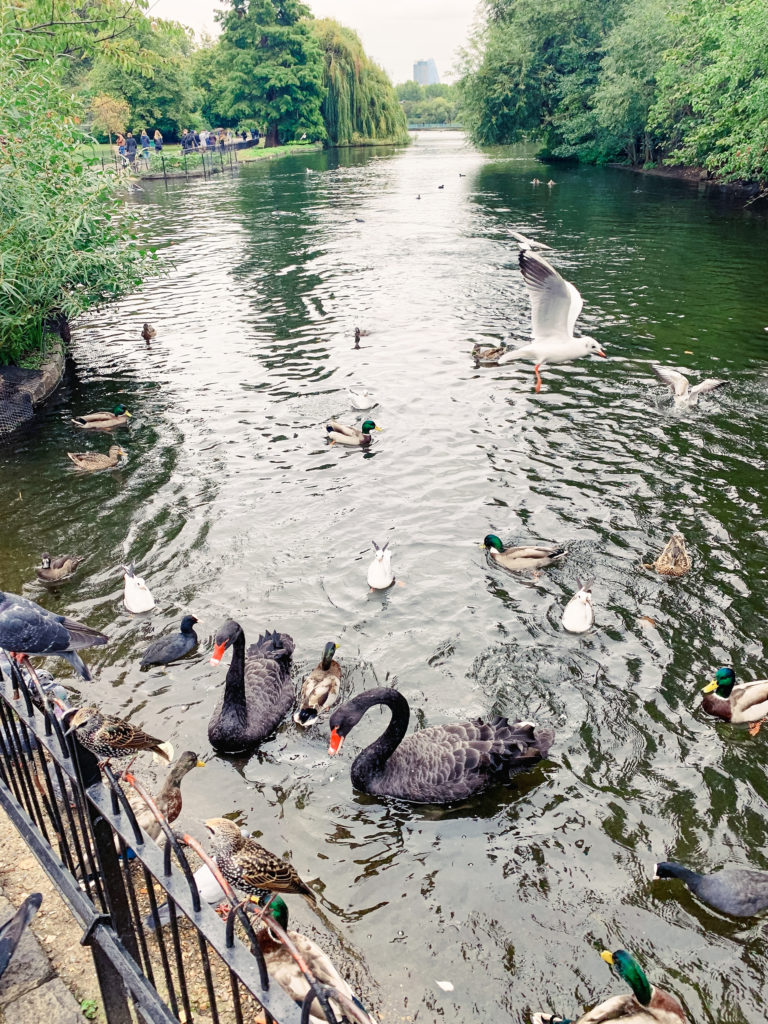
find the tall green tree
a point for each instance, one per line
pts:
(160, 90)
(273, 68)
(360, 104)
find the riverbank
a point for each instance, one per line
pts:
(698, 176)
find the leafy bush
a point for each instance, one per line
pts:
(66, 237)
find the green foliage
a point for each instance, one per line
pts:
(272, 69)
(429, 104)
(89, 1008)
(160, 90)
(360, 104)
(66, 239)
(647, 80)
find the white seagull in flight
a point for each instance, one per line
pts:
(682, 391)
(555, 308)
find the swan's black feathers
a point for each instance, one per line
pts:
(257, 696)
(443, 763)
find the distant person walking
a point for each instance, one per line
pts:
(130, 147)
(144, 144)
(158, 138)
(120, 144)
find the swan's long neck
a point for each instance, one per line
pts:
(371, 760)
(234, 690)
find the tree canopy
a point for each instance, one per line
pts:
(639, 80)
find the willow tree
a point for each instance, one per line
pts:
(360, 104)
(273, 70)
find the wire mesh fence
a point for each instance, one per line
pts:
(158, 946)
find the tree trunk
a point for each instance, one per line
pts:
(110, 137)
(270, 139)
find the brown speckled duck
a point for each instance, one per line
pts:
(674, 560)
(92, 462)
(247, 866)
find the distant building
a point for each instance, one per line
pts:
(425, 72)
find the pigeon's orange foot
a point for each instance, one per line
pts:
(754, 729)
(223, 909)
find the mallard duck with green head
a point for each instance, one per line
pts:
(287, 973)
(645, 1004)
(103, 420)
(745, 702)
(339, 433)
(522, 559)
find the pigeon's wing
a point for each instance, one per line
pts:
(26, 628)
(707, 385)
(13, 929)
(555, 303)
(674, 380)
(80, 634)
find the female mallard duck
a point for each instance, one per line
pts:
(320, 688)
(338, 433)
(487, 356)
(136, 595)
(60, 567)
(287, 973)
(103, 420)
(644, 1005)
(674, 560)
(258, 692)
(148, 332)
(522, 559)
(168, 799)
(92, 462)
(747, 702)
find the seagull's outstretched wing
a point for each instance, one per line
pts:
(674, 380)
(528, 243)
(555, 303)
(710, 384)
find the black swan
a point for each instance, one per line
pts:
(440, 764)
(259, 691)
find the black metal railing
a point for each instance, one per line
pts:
(170, 962)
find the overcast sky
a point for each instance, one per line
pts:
(395, 33)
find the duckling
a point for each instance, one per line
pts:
(645, 1004)
(487, 356)
(320, 688)
(290, 977)
(136, 597)
(522, 559)
(380, 575)
(338, 433)
(747, 702)
(579, 615)
(674, 560)
(148, 333)
(103, 420)
(92, 462)
(60, 567)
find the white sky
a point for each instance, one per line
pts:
(395, 33)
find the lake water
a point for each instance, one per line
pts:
(232, 505)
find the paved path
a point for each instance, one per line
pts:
(50, 972)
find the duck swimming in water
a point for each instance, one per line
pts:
(674, 560)
(92, 462)
(522, 559)
(320, 688)
(745, 702)
(103, 420)
(57, 568)
(338, 433)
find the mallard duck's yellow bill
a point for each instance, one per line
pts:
(199, 763)
(608, 957)
(128, 414)
(378, 428)
(710, 687)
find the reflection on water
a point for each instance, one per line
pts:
(232, 505)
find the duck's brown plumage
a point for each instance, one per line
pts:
(168, 799)
(57, 568)
(94, 461)
(674, 560)
(109, 737)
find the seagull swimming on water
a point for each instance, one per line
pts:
(555, 308)
(682, 391)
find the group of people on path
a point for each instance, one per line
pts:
(205, 139)
(128, 145)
